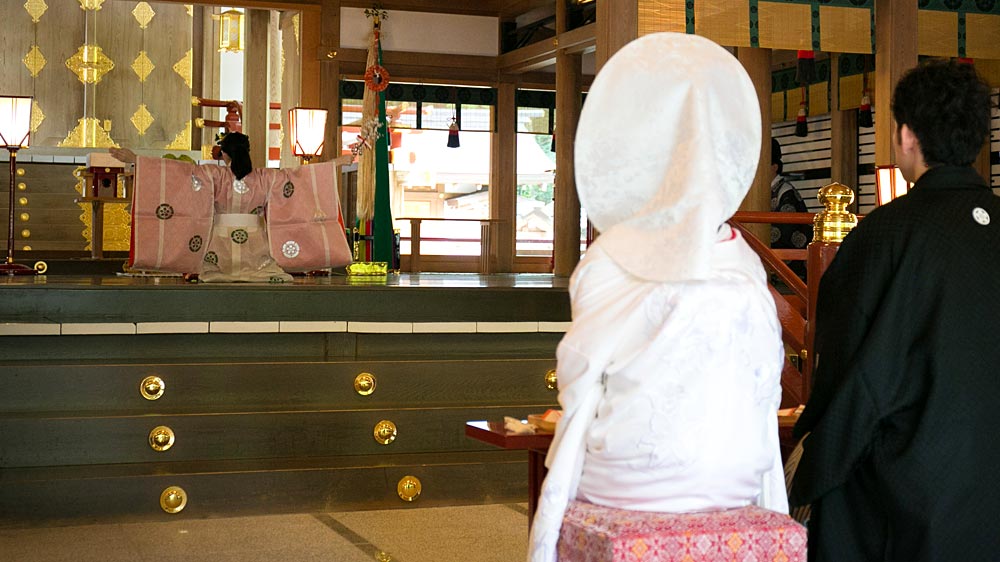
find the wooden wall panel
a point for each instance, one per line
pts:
(17, 38)
(165, 93)
(59, 94)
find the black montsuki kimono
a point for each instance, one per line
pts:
(903, 459)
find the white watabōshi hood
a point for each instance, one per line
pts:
(666, 149)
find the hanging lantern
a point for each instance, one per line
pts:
(231, 31)
(307, 129)
(453, 134)
(889, 183)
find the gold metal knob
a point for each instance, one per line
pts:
(385, 432)
(152, 387)
(173, 499)
(408, 488)
(551, 380)
(161, 438)
(364, 384)
(835, 221)
(41, 267)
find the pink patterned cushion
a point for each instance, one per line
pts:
(593, 533)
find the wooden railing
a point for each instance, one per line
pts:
(485, 264)
(796, 307)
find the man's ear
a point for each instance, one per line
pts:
(908, 140)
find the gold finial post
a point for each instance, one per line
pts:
(835, 221)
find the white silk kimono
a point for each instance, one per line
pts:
(190, 218)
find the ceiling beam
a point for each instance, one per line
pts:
(543, 53)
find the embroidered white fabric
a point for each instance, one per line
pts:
(669, 375)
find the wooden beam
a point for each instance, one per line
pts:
(617, 24)
(895, 53)
(566, 243)
(329, 75)
(258, 4)
(757, 63)
(255, 84)
(503, 180)
(543, 53)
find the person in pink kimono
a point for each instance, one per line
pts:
(234, 223)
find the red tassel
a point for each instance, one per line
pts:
(806, 69)
(801, 125)
(453, 135)
(865, 111)
(965, 60)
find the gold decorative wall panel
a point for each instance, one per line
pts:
(34, 61)
(142, 66)
(89, 132)
(183, 68)
(90, 64)
(37, 116)
(183, 139)
(785, 26)
(726, 22)
(142, 119)
(117, 221)
(937, 33)
(91, 4)
(982, 36)
(845, 30)
(35, 9)
(189, 8)
(143, 14)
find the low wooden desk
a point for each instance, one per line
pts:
(537, 445)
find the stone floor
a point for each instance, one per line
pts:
(487, 533)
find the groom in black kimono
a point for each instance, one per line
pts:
(902, 461)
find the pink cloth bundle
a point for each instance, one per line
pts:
(594, 533)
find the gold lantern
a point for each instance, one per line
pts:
(231, 31)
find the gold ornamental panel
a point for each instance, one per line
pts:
(143, 14)
(90, 64)
(727, 22)
(784, 26)
(35, 9)
(662, 15)
(34, 61)
(142, 119)
(182, 141)
(183, 68)
(189, 8)
(37, 116)
(89, 132)
(937, 33)
(142, 66)
(845, 30)
(981, 32)
(173, 499)
(91, 4)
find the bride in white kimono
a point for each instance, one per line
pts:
(669, 375)
(234, 222)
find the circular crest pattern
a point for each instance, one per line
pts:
(288, 189)
(194, 244)
(290, 249)
(258, 210)
(164, 212)
(985, 5)
(376, 78)
(195, 183)
(240, 186)
(980, 215)
(212, 258)
(239, 236)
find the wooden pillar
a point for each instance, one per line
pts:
(843, 135)
(757, 63)
(197, 71)
(895, 53)
(566, 238)
(329, 73)
(617, 24)
(982, 163)
(255, 84)
(503, 181)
